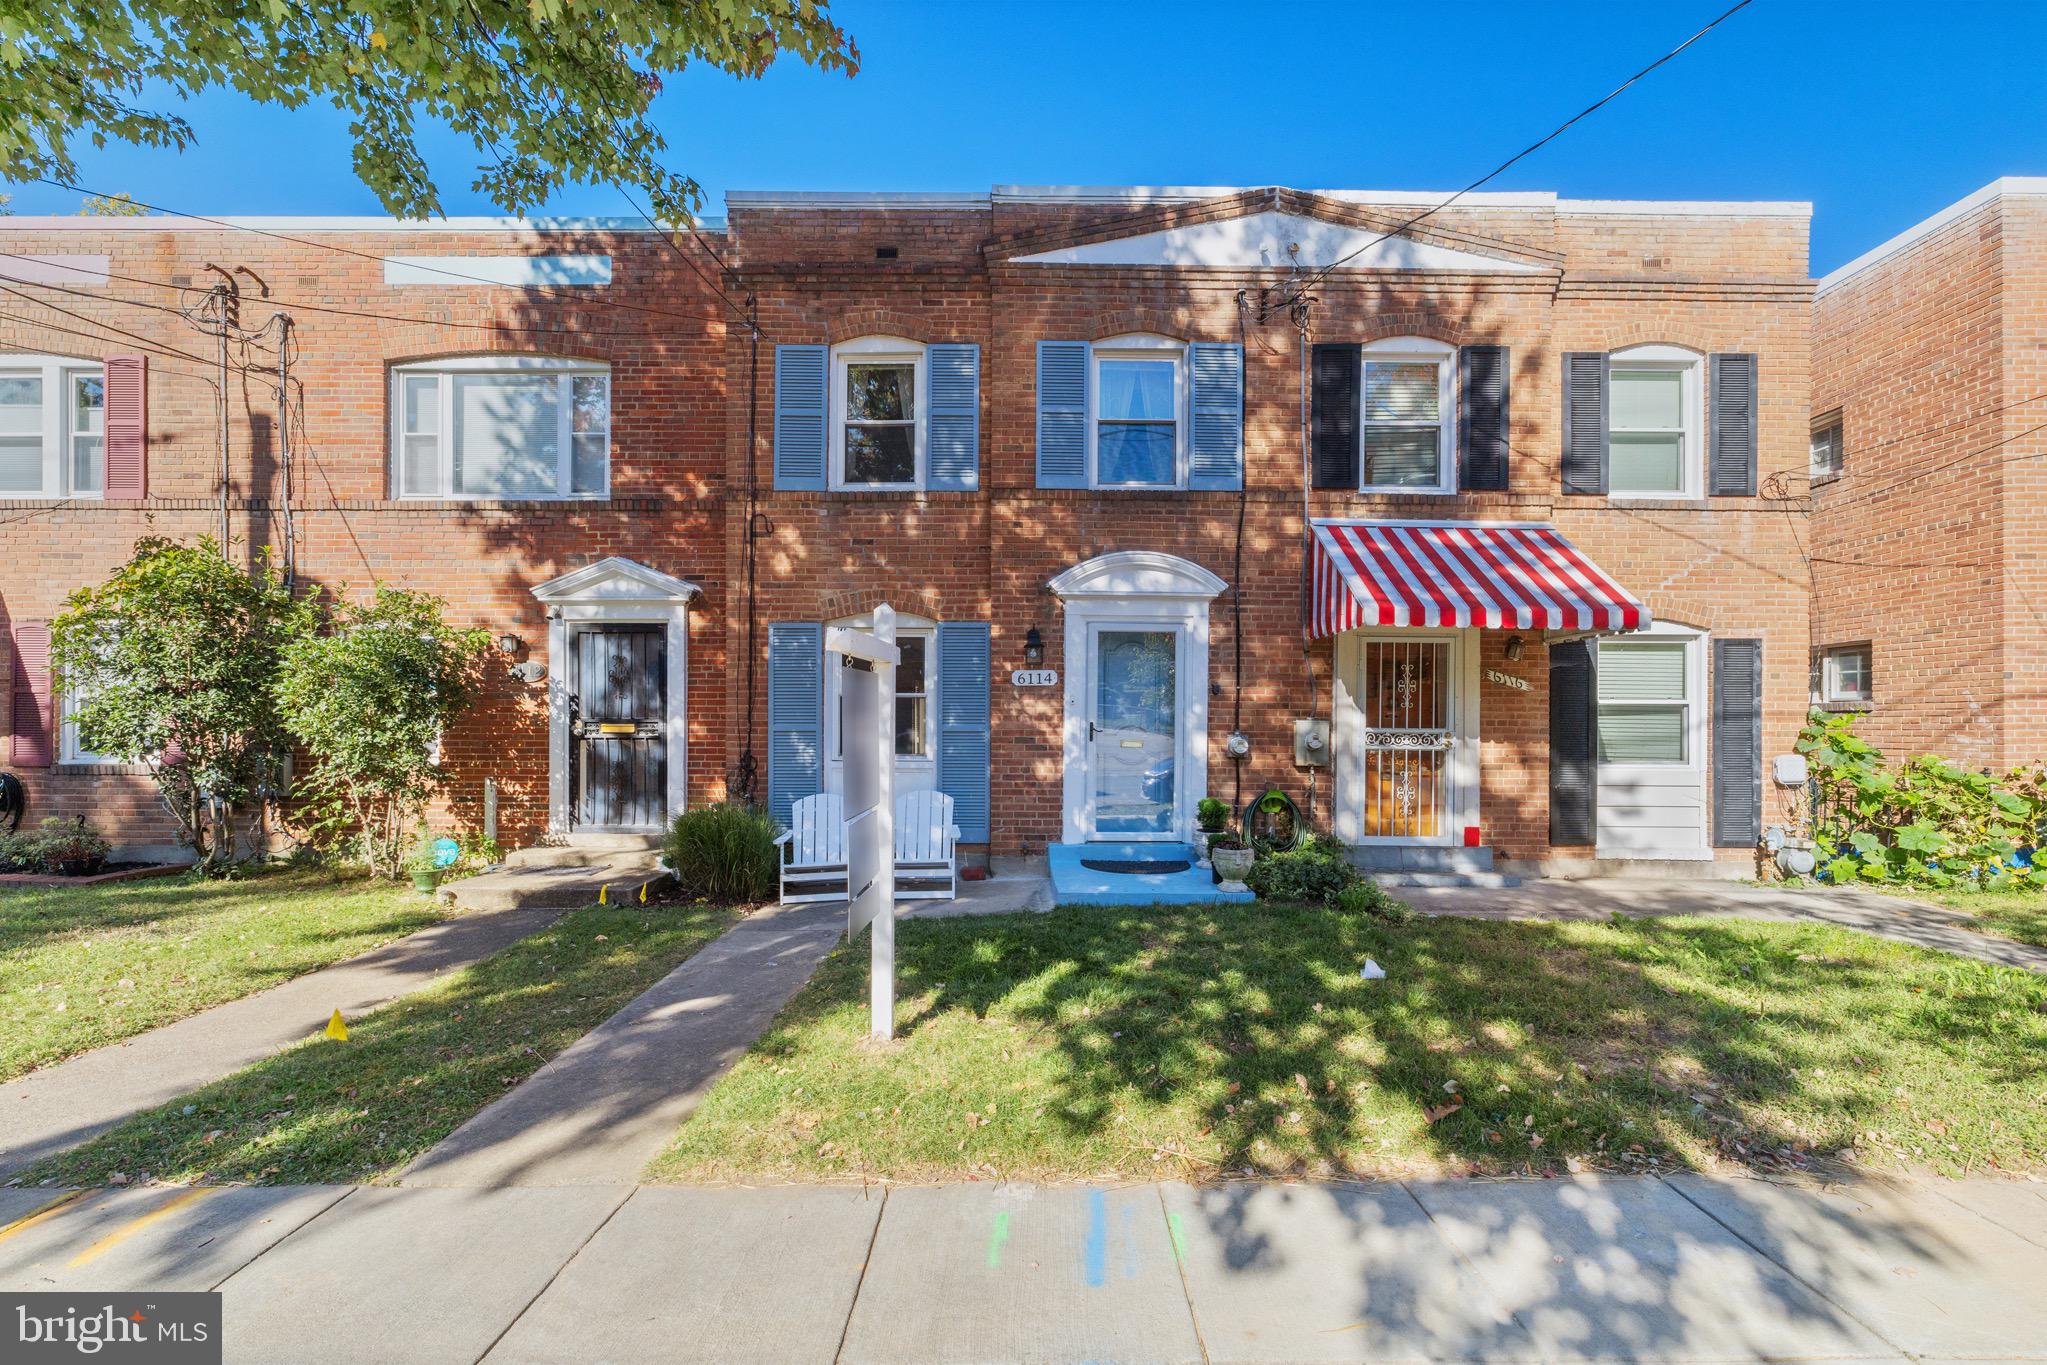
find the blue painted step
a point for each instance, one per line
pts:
(1073, 884)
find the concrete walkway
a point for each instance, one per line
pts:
(1893, 917)
(1686, 1269)
(607, 1103)
(60, 1106)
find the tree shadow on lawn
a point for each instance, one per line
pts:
(1246, 1040)
(32, 916)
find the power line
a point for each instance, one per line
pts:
(1521, 155)
(135, 337)
(47, 325)
(1917, 475)
(551, 291)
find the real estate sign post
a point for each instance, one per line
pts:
(867, 662)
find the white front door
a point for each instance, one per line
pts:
(1133, 748)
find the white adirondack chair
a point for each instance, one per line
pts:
(814, 850)
(927, 847)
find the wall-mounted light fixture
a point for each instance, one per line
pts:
(1516, 646)
(509, 643)
(1034, 648)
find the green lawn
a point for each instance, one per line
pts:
(1191, 1042)
(2020, 915)
(410, 1072)
(84, 966)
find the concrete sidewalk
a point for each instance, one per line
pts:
(1892, 917)
(60, 1106)
(606, 1104)
(1635, 1269)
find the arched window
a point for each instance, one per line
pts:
(511, 427)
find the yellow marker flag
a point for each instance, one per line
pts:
(337, 1030)
(643, 891)
(604, 894)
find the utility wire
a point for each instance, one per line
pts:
(135, 337)
(548, 290)
(47, 325)
(1524, 153)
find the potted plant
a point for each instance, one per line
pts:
(72, 848)
(424, 861)
(1233, 858)
(1211, 817)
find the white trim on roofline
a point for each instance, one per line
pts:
(342, 223)
(1686, 208)
(2011, 184)
(854, 199)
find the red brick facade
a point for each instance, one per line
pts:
(1585, 277)
(1933, 351)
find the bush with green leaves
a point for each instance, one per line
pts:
(1212, 814)
(170, 664)
(724, 852)
(369, 692)
(1366, 897)
(1313, 872)
(1925, 821)
(60, 841)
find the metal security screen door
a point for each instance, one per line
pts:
(1133, 734)
(618, 729)
(1406, 695)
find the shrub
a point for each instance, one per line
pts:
(58, 840)
(724, 852)
(1366, 897)
(1925, 821)
(1212, 814)
(1315, 872)
(20, 852)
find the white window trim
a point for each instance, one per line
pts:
(56, 373)
(68, 750)
(1692, 460)
(1664, 633)
(869, 350)
(920, 770)
(446, 369)
(1138, 346)
(1421, 350)
(1830, 422)
(1831, 693)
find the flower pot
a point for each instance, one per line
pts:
(424, 882)
(1201, 838)
(76, 867)
(1232, 864)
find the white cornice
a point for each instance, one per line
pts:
(153, 222)
(2027, 185)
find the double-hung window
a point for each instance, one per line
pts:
(1653, 423)
(1407, 432)
(1827, 454)
(878, 397)
(52, 427)
(70, 749)
(1645, 702)
(915, 735)
(511, 427)
(1138, 394)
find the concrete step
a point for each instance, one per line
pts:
(1485, 881)
(554, 888)
(1403, 858)
(585, 850)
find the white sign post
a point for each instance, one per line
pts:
(868, 688)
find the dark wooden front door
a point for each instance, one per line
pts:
(619, 731)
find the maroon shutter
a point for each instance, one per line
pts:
(127, 418)
(34, 734)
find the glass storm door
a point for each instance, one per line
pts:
(1132, 733)
(1407, 705)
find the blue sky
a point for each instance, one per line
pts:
(1878, 113)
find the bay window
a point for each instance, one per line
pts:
(502, 427)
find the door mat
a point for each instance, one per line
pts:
(1135, 868)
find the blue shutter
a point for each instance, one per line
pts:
(800, 416)
(1062, 414)
(1216, 445)
(795, 714)
(955, 455)
(963, 724)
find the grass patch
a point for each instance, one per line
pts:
(1200, 1041)
(410, 1072)
(84, 966)
(2019, 915)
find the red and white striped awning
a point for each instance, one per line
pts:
(1500, 574)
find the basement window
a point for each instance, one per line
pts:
(501, 427)
(1842, 676)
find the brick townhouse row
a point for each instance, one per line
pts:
(1487, 534)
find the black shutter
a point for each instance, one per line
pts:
(1731, 422)
(1482, 384)
(1585, 434)
(1737, 743)
(1333, 416)
(1573, 748)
